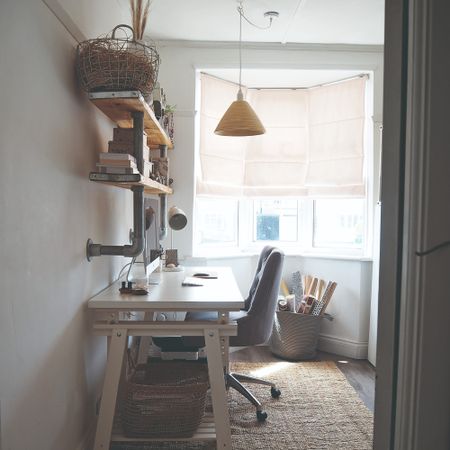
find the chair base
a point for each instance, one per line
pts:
(233, 380)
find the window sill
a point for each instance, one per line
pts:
(233, 254)
(335, 256)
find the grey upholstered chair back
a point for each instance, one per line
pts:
(265, 252)
(256, 326)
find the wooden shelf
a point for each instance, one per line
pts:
(118, 107)
(150, 186)
(205, 432)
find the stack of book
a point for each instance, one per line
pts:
(120, 158)
(121, 163)
(123, 142)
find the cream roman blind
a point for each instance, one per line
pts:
(314, 144)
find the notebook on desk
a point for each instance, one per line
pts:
(192, 281)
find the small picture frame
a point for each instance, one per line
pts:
(172, 257)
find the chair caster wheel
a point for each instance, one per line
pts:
(274, 392)
(261, 416)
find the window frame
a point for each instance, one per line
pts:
(304, 245)
(363, 247)
(246, 243)
(210, 248)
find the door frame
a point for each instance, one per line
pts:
(392, 206)
(412, 400)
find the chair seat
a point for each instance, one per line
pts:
(212, 316)
(198, 341)
(192, 343)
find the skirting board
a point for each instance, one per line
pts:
(343, 347)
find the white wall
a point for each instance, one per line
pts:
(348, 333)
(49, 138)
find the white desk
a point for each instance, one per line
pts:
(221, 295)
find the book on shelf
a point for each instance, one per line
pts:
(124, 170)
(115, 178)
(124, 147)
(126, 135)
(124, 167)
(116, 157)
(115, 163)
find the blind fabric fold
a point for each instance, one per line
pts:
(313, 144)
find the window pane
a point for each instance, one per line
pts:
(338, 223)
(275, 220)
(217, 221)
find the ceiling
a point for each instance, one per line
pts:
(300, 21)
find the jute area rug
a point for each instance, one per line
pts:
(317, 409)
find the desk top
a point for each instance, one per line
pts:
(221, 293)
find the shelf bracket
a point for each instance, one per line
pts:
(137, 245)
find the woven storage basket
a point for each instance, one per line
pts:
(117, 64)
(295, 335)
(165, 399)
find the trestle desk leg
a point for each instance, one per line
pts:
(110, 388)
(218, 392)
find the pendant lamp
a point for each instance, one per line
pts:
(240, 119)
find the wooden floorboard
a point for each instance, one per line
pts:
(359, 372)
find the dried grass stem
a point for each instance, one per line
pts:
(139, 15)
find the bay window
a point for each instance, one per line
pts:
(302, 185)
(322, 226)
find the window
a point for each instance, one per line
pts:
(338, 223)
(321, 226)
(216, 222)
(309, 196)
(275, 220)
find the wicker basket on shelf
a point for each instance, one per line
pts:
(165, 399)
(117, 64)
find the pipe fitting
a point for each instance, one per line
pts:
(138, 240)
(163, 231)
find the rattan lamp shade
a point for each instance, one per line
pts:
(240, 120)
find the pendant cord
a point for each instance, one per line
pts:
(241, 13)
(240, 9)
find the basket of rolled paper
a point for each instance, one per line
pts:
(299, 316)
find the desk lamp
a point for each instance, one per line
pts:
(177, 221)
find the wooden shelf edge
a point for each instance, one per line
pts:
(150, 186)
(118, 106)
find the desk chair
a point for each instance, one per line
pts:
(255, 323)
